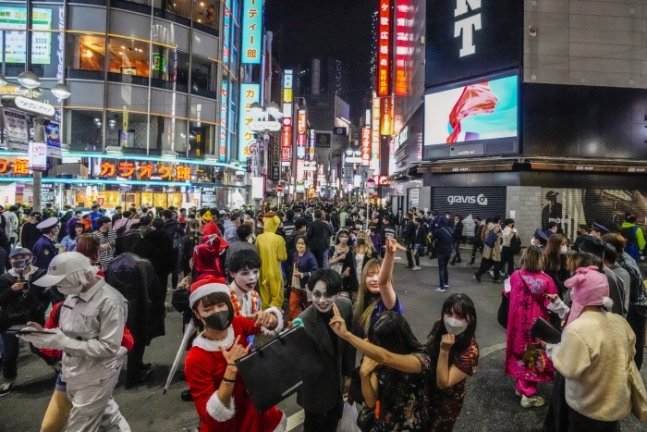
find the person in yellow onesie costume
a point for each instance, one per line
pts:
(271, 248)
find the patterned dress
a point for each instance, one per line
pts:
(404, 404)
(445, 405)
(525, 358)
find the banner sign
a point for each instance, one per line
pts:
(37, 156)
(384, 49)
(224, 103)
(16, 130)
(252, 31)
(404, 46)
(249, 93)
(286, 140)
(225, 36)
(53, 138)
(322, 140)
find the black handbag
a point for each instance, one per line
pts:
(365, 419)
(279, 368)
(504, 308)
(355, 389)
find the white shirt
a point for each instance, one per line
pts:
(244, 299)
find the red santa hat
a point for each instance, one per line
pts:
(206, 286)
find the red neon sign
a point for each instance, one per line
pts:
(404, 46)
(384, 49)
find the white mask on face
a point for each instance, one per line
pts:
(533, 241)
(454, 326)
(246, 279)
(73, 283)
(563, 250)
(320, 298)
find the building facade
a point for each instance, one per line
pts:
(152, 81)
(532, 110)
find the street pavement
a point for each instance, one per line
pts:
(490, 403)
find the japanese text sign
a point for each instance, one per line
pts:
(252, 31)
(384, 49)
(366, 146)
(144, 170)
(249, 93)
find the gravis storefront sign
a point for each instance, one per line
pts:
(479, 199)
(466, 26)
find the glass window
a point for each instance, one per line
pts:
(203, 77)
(173, 134)
(136, 130)
(170, 69)
(201, 139)
(128, 58)
(85, 56)
(84, 129)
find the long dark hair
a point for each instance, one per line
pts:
(554, 261)
(393, 333)
(463, 307)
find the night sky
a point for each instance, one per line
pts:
(338, 29)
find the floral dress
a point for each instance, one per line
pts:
(403, 397)
(445, 405)
(525, 358)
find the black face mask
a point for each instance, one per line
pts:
(217, 320)
(20, 265)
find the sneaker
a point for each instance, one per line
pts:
(477, 276)
(417, 268)
(6, 388)
(446, 286)
(532, 401)
(440, 289)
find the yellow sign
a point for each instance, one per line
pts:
(10, 90)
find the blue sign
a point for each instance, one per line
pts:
(252, 31)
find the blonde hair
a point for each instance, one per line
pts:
(367, 241)
(366, 300)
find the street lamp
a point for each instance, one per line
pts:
(30, 86)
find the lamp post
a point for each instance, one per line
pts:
(30, 87)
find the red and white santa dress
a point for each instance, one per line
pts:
(204, 369)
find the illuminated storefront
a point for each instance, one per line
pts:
(145, 81)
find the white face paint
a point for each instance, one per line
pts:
(246, 279)
(321, 300)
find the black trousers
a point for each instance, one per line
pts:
(319, 256)
(578, 423)
(637, 323)
(136, 358)
(507, 260)
(477, 246)
(410, 250)
(323, 421)
(175, 271)
(486, 264)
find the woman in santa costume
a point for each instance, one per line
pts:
(218, 392)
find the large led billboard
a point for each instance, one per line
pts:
(476, 113)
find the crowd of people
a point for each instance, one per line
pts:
(88, 292)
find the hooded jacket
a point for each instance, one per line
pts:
(442, 238)
(206, 257)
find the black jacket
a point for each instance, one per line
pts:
(458, 232)
(319, 234)
(32, 300)
(442, 238)
(157, 247)
(409, 233)
(175, 232)
(420, 236)
(29, 236)
(135, 279)
(321, 393)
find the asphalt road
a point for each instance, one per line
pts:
(490, 403)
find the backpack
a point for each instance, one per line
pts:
(629, 234)
(515, 244)
(491, 238)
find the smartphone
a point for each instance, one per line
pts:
(27, 332)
